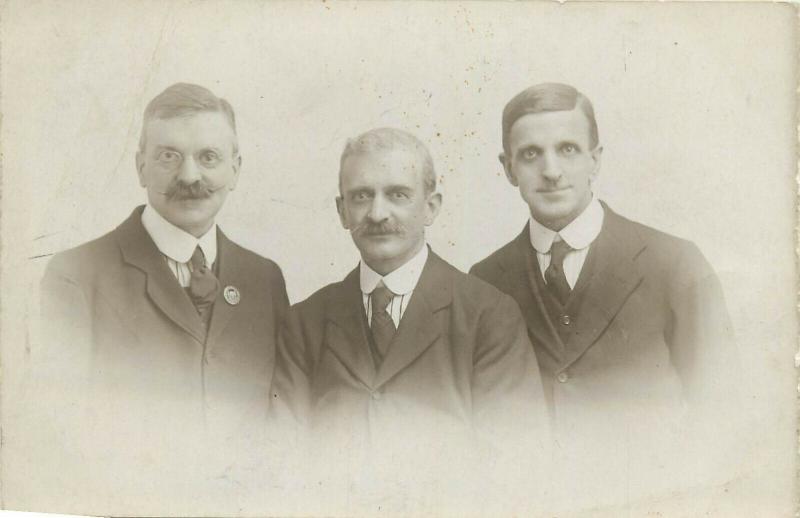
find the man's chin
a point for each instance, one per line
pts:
(190, 220)
(551, 215)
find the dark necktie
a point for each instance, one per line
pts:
(554, 275)
(203, 285)
(382, 325)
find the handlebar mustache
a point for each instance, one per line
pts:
(196, 191)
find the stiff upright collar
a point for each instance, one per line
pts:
(175, 243)
(578, 234)
(401, 281)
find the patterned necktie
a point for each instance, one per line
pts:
(382, 325)
(554, 275)
(203, 286)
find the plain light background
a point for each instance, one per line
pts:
(695, 105)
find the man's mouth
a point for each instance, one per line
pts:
(552, 191)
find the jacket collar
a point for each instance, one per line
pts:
(616, 274)
(419, 327)
(140, 251)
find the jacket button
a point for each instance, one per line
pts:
(376, 395)
(562, 377)
(565, 320)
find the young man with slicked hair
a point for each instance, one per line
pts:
(629, 324)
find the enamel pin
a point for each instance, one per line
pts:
(232, 295)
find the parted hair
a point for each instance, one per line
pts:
(548, 97)
(182, 99)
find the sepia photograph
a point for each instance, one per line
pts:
(263, 258)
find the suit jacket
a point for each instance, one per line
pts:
(461, 355)
(127, 356)
(649, 351)
(460, 368)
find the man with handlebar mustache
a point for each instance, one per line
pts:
(164, 329)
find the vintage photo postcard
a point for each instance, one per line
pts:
(398, 258)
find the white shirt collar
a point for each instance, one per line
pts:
(175, 243)
(401, 281)
(578, 234)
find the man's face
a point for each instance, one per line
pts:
(384, 206)
(188, 167)
(553, 165)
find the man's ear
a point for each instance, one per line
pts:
(340, 210)
(507, 168)
(433, 205)
(140, 168)
(597, 154)
(237, 165)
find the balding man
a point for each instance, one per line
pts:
(406, 349)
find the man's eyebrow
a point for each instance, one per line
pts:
(526, 147)
(358, 189)
(398, 187)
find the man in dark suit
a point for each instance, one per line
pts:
(406, 353)
(629, 324)
(162, 332)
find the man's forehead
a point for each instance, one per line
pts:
(196, 128)
(561, 123)
(379, 166)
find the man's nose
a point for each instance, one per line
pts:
(188, 171)
(378, 210)
(551, 169)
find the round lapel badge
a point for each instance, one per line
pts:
(232, 295)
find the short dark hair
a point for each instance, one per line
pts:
(548, 97)
(183, 99)
(389, 139)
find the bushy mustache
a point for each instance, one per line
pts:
(368, 228)
(198, 190)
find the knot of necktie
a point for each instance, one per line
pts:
(382, 325)
(554, 276)
(203, 285)
(381, 297)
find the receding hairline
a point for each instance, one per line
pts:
(385, 141)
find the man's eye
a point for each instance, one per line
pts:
(569, 149)
(209, 157)
(169, 157)
(361, 196)
(400, 195)
(529, 154)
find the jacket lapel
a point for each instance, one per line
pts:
(616, 275)
(520, 265)
(230, 274)
(139, 250)
(346, 333)
(420, 325)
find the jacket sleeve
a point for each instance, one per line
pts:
(699, 333)
(510, 413)
(291, 388)
(704, 353)
(508, 400)
(64, 349)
